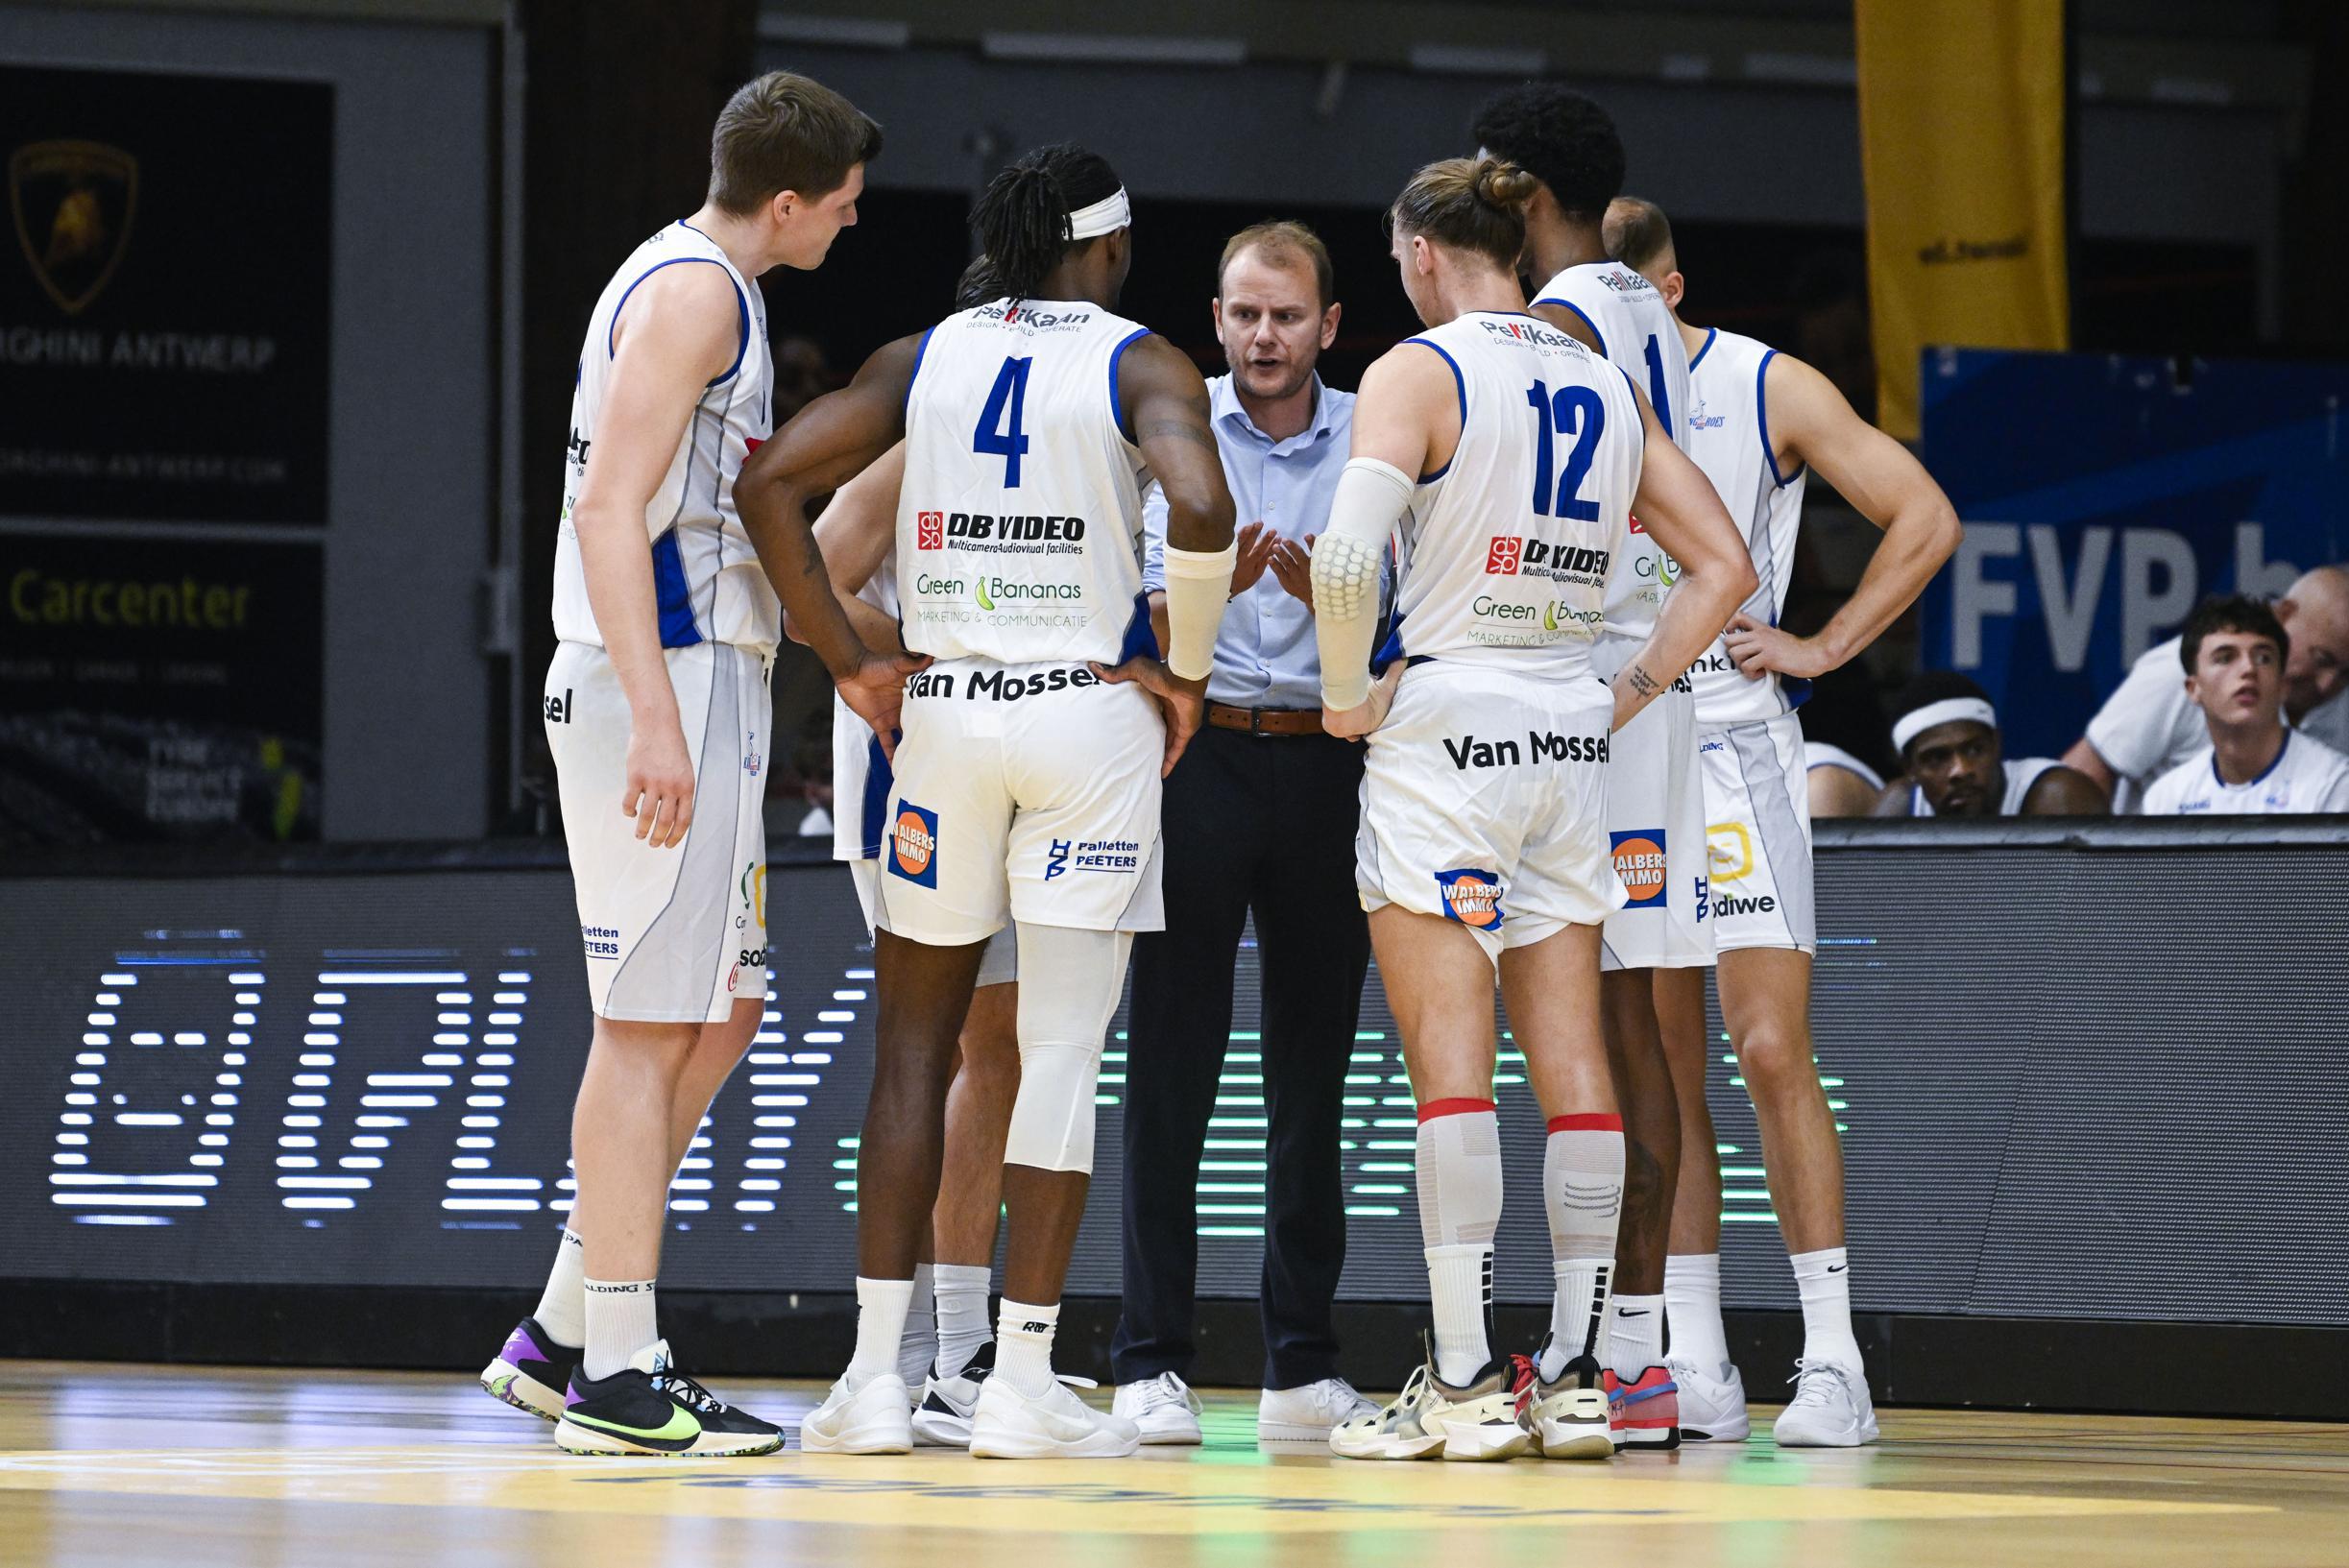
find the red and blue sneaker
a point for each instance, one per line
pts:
(1644, 1413)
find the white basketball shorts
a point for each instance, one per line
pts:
(1656, 830)
(670, 934)
(1484, 802)
(1758, 808)
(1024, 792)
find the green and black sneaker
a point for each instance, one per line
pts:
(647, 1409)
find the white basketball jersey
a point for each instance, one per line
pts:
(860, 776)
(1019, 523)
(1635, 332)
(707, 581)
(2306, 776)
(1505, 550)
(1729, 435)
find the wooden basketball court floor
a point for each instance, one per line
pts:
(135, 1465)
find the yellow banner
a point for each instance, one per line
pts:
(1961, 118)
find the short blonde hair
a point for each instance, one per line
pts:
(1284, 243)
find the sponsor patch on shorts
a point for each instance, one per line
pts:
(1471, 896)
(1640, 863)
(913, 844)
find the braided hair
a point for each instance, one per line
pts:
(1021, 218)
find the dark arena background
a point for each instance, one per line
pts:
(291, 312)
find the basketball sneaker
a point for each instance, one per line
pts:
(1431, 1417)
(1006, 1424)
(530, 1372)
(943, 1417)
(1644, 1413)
(1712, 1404)
(1163, 1408)
(1830, 1409)
(874, 1417)
(647, 1409)
(1568, 1418)
(1308, 1415)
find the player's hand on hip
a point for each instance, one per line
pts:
(1257, 542)
(1293, 570)
(1184, 703)
(1356, 722)
(659, 793)
(1761, 649)
(876, 693)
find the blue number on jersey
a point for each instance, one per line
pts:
(1657, 394)
(1011, 442)
(1573, 411)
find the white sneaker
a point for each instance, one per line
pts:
(1830, 1409)
(1164, 1409)
(875, 1419)
(1568, 1419)
(1430, 1418)
(1308, 1415)
(943, 1417)
(1712, 1407)
(1006, 1424)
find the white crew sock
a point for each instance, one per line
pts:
(619, 1323)
(881, 1324)
(1825, 1283)
(1582, 1195)
(1692, 1305)
(1634, 1336)
(917, 1343)
(963, 1314)
(1459, 1168)
(563, 1305)
(1024, 1341)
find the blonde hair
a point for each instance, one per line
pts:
(1469, 204)
(1282, 244)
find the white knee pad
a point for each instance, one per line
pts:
(1069, 986)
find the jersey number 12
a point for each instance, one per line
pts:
(999, 433)
(1573, 411)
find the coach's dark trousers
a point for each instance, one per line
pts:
(1263, 823)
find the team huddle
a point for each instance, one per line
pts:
(1544, 601)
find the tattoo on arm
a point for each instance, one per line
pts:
(1637, 678)
(1179, 429)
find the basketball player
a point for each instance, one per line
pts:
(1026, 786)
(947, 1348)
(2235, 650)
(656, 707)
(1483, 844)
(1656, 796)
(1947, 732)
(1758, 422)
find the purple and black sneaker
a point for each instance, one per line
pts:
(530, 1373)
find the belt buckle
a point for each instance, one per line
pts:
(1255, 721)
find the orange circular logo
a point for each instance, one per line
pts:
(915, 843)
(1639, 862)
(1472, 900)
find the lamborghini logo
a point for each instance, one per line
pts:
(73, 202)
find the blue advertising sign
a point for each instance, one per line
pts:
(2103, 495)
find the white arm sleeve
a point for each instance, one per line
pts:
(1198, 586)
(1346, 560)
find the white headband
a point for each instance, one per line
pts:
(1947, 711)
(1105, 216)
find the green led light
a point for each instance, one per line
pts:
(1750, 1173)
(1369, 1034)
(1726, 1149)
(1370, 1189)
(843, 1186)
(843, 1164)
(1231, 1230)
(1358, 1100)
(1386, 1168)
(1837, 1105)
(1373, 1212)
(1745, 1197)
(1751, 1219)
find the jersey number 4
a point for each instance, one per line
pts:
(1570, 410)
(999, 433)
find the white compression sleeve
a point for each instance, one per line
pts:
(1345, 562)
(1199, 585)
(1069, 984)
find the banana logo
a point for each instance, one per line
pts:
(985, 603)
(1549, 618)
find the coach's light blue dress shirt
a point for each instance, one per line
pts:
(1265, 655)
